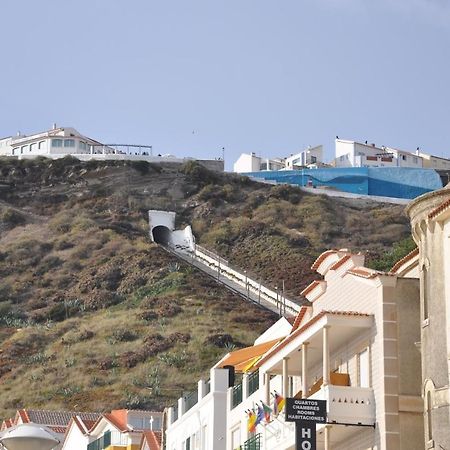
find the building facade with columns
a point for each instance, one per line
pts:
(353, 347)
(430, 222)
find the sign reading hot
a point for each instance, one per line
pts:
(306, 414)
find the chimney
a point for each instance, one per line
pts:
(54, 125)
(18, 134)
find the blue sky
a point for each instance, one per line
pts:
(192, 76)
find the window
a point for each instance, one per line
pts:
(41, 145)
(24, 149)
(236, 438)
(57, 142)
(404, 157)
(415, 160)
(82, 145)
(69, 143)
(188, 444)
(15, 151)
(364, 368)
(33, 147)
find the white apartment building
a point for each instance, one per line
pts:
(249, 162)
(312, 156)
(353, 347)
(357, 154)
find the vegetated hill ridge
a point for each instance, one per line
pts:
(94, 316)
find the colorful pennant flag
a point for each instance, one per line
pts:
(251, 421)
(267, 412)
(278, 404)
(259, 415)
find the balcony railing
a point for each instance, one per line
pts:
(190, 400)
(236, 397)
(109, 438)
(101, 443)
(253, 382)
(254, 443)
(348, 404)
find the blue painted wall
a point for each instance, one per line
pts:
(399, 182)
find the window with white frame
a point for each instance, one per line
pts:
(33, 147)
(236, 438)
(41, 145)
(69, 143)
(57, 142)
(24, 148)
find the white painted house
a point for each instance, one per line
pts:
(57, 141)
(310, 157)
(357, 154)
(249, 162)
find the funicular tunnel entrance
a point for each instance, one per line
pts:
(161, 235)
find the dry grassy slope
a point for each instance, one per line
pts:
(93, 316)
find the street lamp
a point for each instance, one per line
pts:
(28, 436)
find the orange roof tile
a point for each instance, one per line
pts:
(321, 258)
(299, 318)
(300, 330)
(152, 439)
(405, 259)
(340, 261)
(115, 422)
(443, 206)
(310, 287)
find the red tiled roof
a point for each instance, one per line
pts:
(340, 261)
(300, 330)
(152, 439)
(115, 422)
(59, 430)
(84, 425)
(55, 418)
(321, 258)
(405, 259)
(439, 209)
(310, 287)
(363, 272)
(299, 318)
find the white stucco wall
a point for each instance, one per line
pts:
(205, 422)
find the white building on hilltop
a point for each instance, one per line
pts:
(249, 162)
(357, 154)
(57, 141)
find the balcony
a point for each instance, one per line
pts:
(253, 382)
(108, 439)
(348, 404)
(236, 397)
(254, 443)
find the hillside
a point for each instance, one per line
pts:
(95, 316)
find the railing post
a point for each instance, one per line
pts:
(267, 388)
